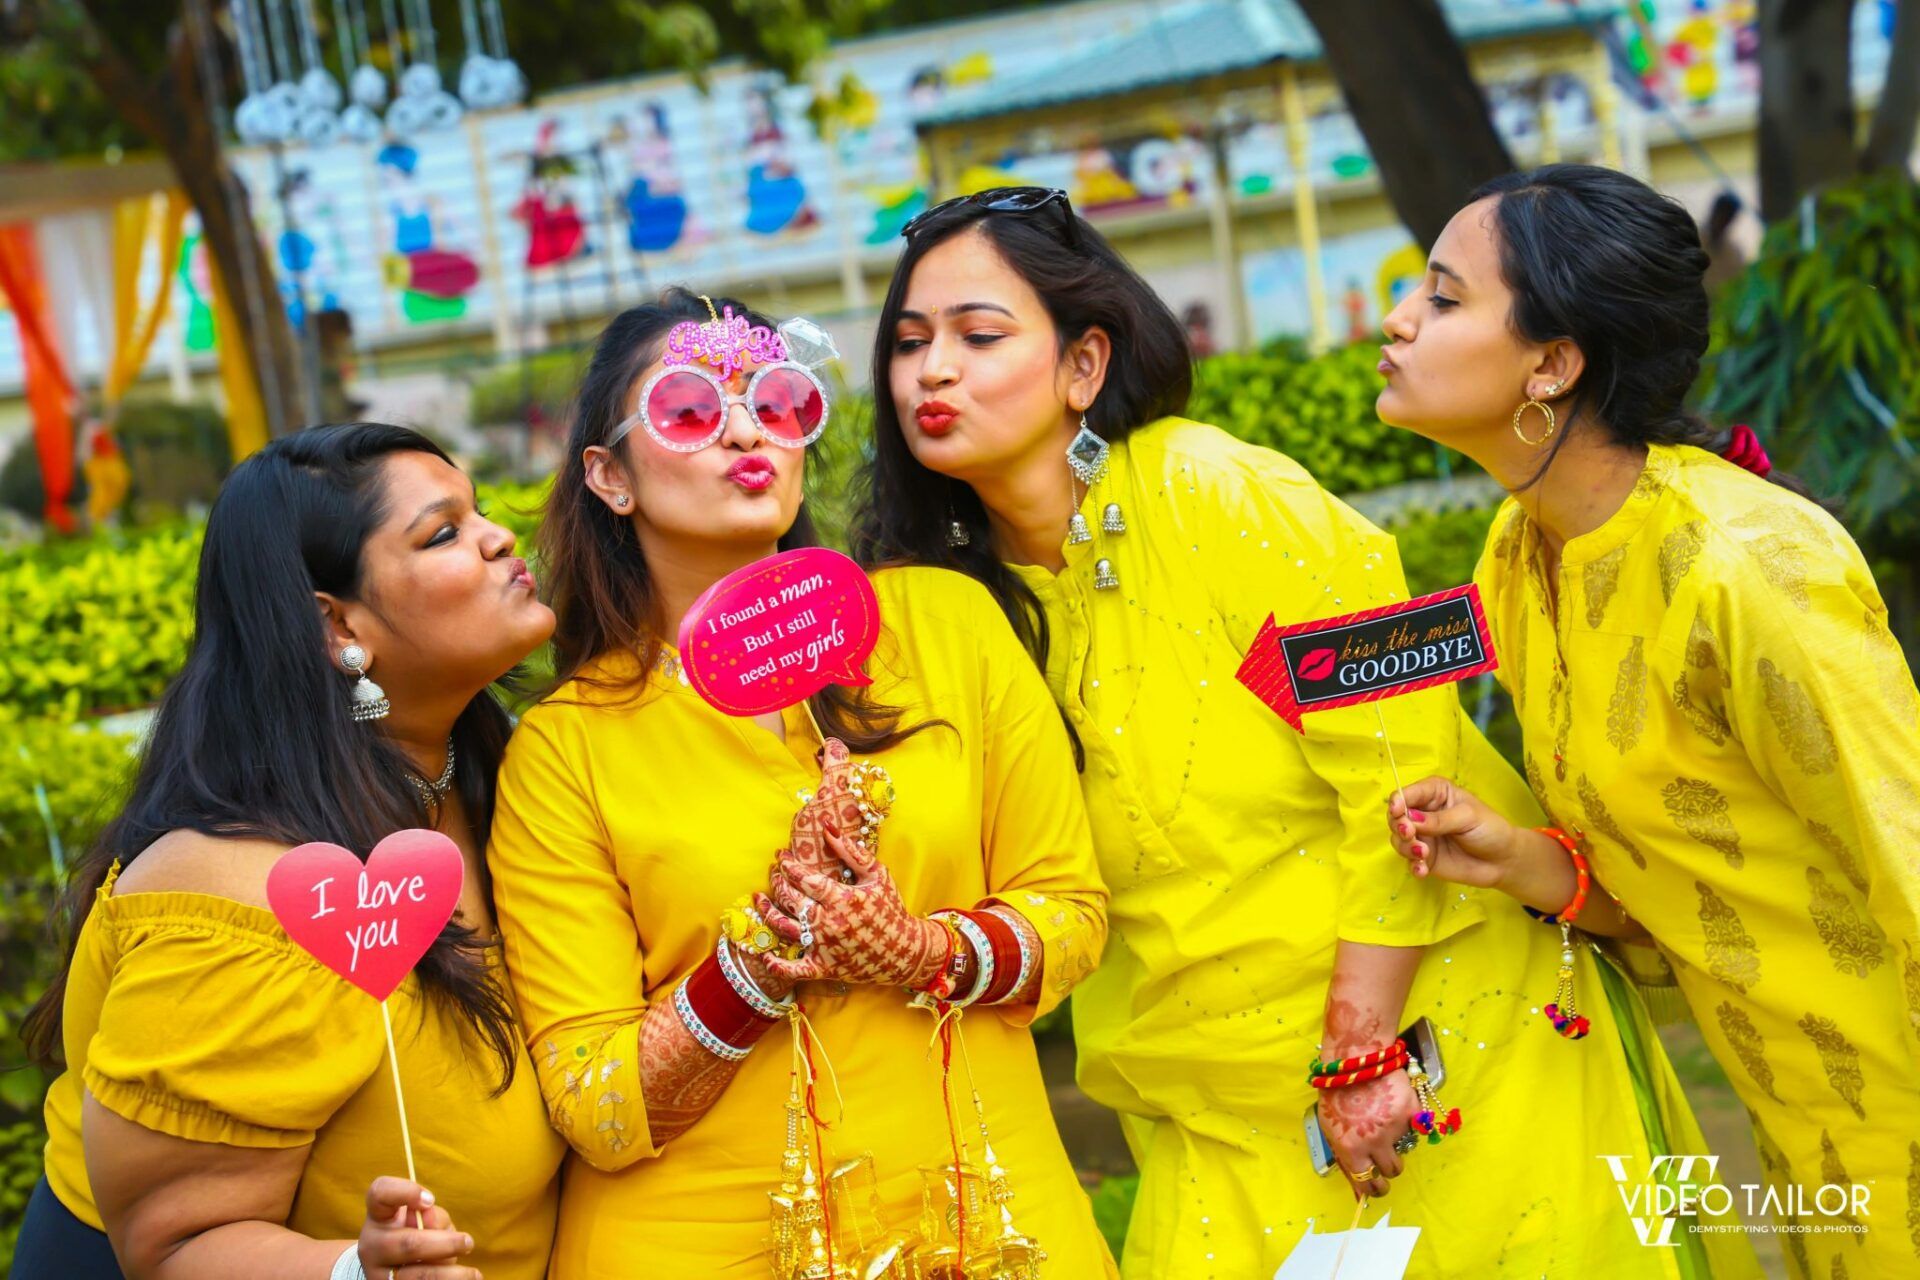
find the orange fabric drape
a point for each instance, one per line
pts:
(49, 391)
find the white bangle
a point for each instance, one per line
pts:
(1026, 951)
(347, 1265)
(712, 1043)
(746, 988)
(982, 954)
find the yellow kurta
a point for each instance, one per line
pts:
(1239, 851)
(1720, 705)
(197, 1017)
(624, 830)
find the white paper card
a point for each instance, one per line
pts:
(1379, 1252)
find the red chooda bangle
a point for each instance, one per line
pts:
(1341, 1080)
(722, 1010)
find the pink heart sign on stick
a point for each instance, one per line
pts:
(780, 630)
(368, 923)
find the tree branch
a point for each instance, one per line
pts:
(1896, 121)
(1408, 83)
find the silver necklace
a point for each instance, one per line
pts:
(435, 791)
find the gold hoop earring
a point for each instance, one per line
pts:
(1544, 435)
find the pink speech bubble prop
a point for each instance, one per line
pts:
(780, 630)
(370, 924)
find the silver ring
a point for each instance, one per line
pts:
(806, 929)
(1406, 1142)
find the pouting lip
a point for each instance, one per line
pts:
(752, 465)
(934, 409)
(521, 576)
(1387, 363)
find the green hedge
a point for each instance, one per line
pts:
(98, 624)
(76, 773)
(101, 624)
(1318, 411)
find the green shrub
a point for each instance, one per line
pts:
(511, 392)
(178, 453)
(98, 624)
(1318, 411)
(102, 623)
(76, 773)
(1438, 549)
(1817, 347)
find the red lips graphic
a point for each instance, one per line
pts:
(1319, 664)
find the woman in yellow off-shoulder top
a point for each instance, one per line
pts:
(1707, 685)
(632, 814)
(226, 1106)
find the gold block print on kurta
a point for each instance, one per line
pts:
(1698, 808)
(1747, 1044)
(1732, 954)
(1852, 939)
(1838, 1059)
(1799, 722)
(1677, 554)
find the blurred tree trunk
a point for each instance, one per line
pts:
(162, 89)
(1406, 80)
(1896, 121)
(1807, 121)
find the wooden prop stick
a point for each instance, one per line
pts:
(399, 1096)
(1399, 786)
(1347, 1239)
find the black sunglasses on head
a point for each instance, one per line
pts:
(1003, 200)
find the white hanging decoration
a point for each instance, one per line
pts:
(358, 123)
(284, 94)
(365, 85)
(487, 77)
(319, 122)
(262, 115)
(422, 104)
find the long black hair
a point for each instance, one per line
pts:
(904, 508)
(254, 739)
(1604, 261)
(603, 594)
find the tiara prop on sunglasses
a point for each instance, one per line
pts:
(684, 406)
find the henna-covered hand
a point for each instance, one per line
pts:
(1363, 1120)
(862, 932)
(831, 808)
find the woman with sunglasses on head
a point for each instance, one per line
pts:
(638, 825)
(1703, 672)
(1026, 385)
(227, 1101)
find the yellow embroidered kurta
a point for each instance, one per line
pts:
(624, 830)
(197, 1017)
(1239, 851)
(1718, 702)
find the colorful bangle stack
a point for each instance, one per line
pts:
(743, 984)
(984, 968)
(1339, 1073)
(954, 967)
(719, 1015)
(1010, 959)
(1560, 1011)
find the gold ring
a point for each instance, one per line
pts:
(1367, 1174)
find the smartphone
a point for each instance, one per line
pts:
(1423, 1046)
